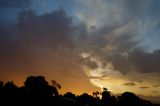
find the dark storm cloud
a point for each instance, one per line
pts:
(129, 84)
(36, 42)
(136, 60)
(51, 30)
(145, 62)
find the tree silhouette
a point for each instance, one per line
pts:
(38, 86)
(107, 99)
(10, 89)
(88, 100)
(70, 95)
(96, 94)
(55, 84)
(129, 98)
(37, 92)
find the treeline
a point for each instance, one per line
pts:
(38, 92)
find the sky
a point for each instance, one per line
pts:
(84, 45)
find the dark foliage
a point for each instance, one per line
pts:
(38, 92)
(70, 95)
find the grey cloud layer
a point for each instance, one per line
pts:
(122, 41)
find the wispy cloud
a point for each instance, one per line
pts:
(157, 85)
(144, 87)
(129, 84)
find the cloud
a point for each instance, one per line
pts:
(115, 42)
(123, 50)
(136, 60)
(121, 40)
(129, 84)
(38, 41)
(98, 77)
(155, 91)
(144, 87)
(90, 64)
(51, 30)
(145, 62)
(157, 85)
